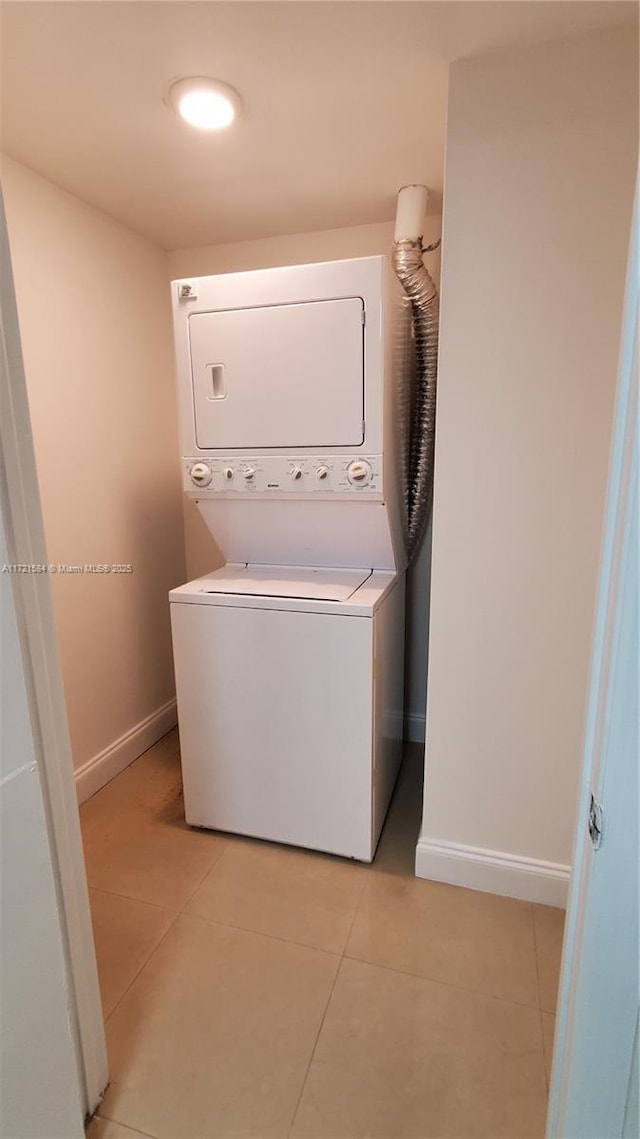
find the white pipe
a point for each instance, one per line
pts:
(411, 209)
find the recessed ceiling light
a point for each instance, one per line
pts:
(204, 103)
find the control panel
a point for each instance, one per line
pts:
(276, 476)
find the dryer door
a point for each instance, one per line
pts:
(279, 376)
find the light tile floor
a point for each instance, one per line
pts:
(253, 991)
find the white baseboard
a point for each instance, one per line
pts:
(414, 727)
(102, 768)
(493, 871)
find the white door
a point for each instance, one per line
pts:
(594, 1088)
(51, 1016)
(279, 375)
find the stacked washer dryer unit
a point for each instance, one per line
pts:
(289, 659)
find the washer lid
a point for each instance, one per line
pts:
(287, 581)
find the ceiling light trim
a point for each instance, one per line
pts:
(204, 103)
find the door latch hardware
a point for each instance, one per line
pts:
(595, 822)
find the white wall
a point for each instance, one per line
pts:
(294, 249)
(541, 154)
(95, 324)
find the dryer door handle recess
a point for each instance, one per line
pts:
(217, 389)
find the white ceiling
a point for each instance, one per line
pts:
(345, 103)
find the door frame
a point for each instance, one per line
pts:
(613, 545)
(22, 516)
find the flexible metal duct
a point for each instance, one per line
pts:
(421, 408)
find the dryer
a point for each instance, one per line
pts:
(289, 660)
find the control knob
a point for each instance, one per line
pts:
(228, 472)
(200, 474)
(359, 472)
(249, 474)
(322, 472)
(296, 473)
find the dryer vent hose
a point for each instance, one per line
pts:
(421, 408)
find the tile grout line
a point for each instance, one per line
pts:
(205, 875)
(439, 981)
(154, 905)
(261, 933)
(159, 905)
(365, 883)
(97, 1112)
(134, 1130)
(131, 898)
(173, 921)
(314, 1049)
(140, 970)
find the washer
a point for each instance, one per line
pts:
(289, 687)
